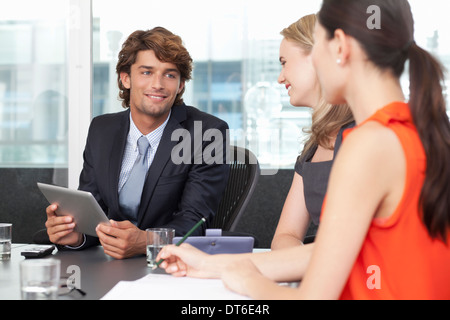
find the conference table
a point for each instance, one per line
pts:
(97, 272)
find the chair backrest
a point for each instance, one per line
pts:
(244, 174)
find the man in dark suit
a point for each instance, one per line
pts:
(182, 184)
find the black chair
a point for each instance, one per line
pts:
(244, 174)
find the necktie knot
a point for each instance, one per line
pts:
(143, 145)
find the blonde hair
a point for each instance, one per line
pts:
(327, 119)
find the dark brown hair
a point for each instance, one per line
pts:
(167, 47)
(389, 47)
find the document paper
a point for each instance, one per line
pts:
(166, 287)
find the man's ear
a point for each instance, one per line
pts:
(125, 79)
(181, 87)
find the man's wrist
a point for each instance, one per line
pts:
(79, 244)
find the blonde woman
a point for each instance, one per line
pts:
(309, 182)
(304, 201)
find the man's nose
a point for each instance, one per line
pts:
(157, 82)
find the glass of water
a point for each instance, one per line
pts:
(5, 241)
(157, 238)
(39, 279)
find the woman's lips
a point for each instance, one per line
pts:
(288, 88)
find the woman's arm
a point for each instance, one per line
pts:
(366, 181)
(294, 219)
(186, 260)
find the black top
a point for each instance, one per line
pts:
(315, 177)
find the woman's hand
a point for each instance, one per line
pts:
(186, 260)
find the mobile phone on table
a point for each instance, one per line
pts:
(38, 251)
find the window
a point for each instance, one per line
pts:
(33, 85)
(235, 50)
(33, 109)
(432, 32)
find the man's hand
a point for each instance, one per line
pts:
(60, 229)
(122, 240)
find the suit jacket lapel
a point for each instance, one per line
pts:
(116, 157)
(162, 156)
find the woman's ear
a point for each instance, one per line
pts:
(341, 47)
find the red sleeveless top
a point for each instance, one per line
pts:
(398, 259)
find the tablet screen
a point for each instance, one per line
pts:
(81, 205)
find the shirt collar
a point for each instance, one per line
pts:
(153, 137)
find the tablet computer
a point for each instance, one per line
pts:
(81, 205)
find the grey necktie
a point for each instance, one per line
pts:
(130, 195)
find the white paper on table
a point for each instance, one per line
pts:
(166, 287)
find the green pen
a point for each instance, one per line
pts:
(182, 239)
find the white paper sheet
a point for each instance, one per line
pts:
(166, 287)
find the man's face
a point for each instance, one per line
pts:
(153, 85)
